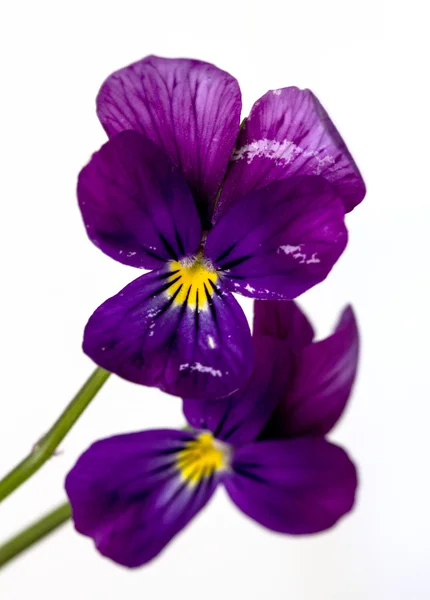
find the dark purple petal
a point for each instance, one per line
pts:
(281, 240)
(127, 493)
(283, 320)
(136, 205)
(321, 382)
(288, 133)
(293, 486)
(190, 109)
(154, 333)
(241, 417)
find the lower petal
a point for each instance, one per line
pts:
(296, 486)
(158, 331)
(129, 494)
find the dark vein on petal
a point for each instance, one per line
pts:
(235, 263)
(169, 303)
(167, 246)
(221, 424)
(215, 288)
(164, 287)
(248, 474)
(231, 431)
(236, 277)
(184, 305)
(225, 253)
(150, 253)
(168, 274)
(211, 304)
(167, 451)
(196, 314)
(161, 468)
(179, 242)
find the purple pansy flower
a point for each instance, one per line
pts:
(133, 493)
(151, 198)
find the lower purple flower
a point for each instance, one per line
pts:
(133, 493)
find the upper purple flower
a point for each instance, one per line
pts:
(133, 493)
(151, 199)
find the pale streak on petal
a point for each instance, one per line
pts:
(297, 252)
(201, 369)
(283, 152)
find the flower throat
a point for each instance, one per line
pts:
(192, 282)
(202, 457)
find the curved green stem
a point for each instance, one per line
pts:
(45, 448)
(34, 533)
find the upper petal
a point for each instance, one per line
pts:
(279, 241)
(287, 133)
(128, 493)
(187, 336)
(293, 486)
(241, 417)
(283, 320)
(136, 205)
(190, 109)
(322, 377)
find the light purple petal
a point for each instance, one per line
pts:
(241, 417)
(293, 486)
(152, 333)
(278, 242)
(283, 320)
(321, 382)
(190, 109)
(289, 133)
(127, 494)
(136, 205)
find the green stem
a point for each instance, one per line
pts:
(45, 448)
(34, 533)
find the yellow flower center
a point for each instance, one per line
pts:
(193, 282)
(202, 457)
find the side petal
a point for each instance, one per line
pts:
(289, 133)
(297, 486)
(127, 493)
(283, 320)
(136, 206)
(190, 109)
(158, 331)
(278, 242)
(322, 378)
(241, 417)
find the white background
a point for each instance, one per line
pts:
(368, 63)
